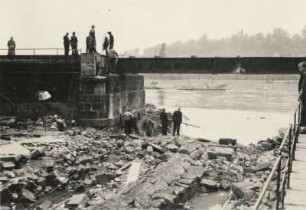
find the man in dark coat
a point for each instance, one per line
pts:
(105, 45)
(11, 44)
(111, 40)
(164, 121)
(66, 44)
(74, 44)
(177, 120)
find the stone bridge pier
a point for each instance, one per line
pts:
(78, 85)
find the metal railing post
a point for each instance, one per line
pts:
(278, 184)
(33, 51)
(289, 158)
(294, 123)
(283, 192)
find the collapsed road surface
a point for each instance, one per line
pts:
(90, 168)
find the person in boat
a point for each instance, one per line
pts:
(177, 121)
(164, 122)
(302, 91)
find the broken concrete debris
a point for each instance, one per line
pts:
(88, 167)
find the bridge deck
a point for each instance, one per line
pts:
(296, 195)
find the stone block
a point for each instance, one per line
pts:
(244, 190)
(77, 200)
(157, 148)
(262, 167)
(26, 196)
(211, 184)
(8, 165)
(45, 205)
(215, 152)
(172, 147)
(105, 177)
(227, 141)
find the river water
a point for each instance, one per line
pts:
(246, 107)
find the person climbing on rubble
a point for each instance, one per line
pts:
(127, 120)
(149, 127)
(111, 40)
(164, 122)
(105, 45)
(11, 44)
(113, 60)
(66, 44)
(134, 125)
(74, 44)
(177, 120)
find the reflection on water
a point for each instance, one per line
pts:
(252, 107)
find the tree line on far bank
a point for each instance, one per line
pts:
(275, 44)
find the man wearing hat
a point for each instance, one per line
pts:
(302, 91)
(105, 44)
(74, 44)
(66, 44)
(111, 40)
(11, 44)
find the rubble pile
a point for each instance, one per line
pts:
(90, 168)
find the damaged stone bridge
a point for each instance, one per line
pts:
(81, 88)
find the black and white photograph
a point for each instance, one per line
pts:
(152, 104)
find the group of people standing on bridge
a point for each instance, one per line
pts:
(73, 42)
(108, 45)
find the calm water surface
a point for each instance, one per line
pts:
(246, 107)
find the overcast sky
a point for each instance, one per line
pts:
(143, 23)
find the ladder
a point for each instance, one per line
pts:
(71, 101)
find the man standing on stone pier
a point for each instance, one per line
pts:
(66, 44)
(105, 45)
(74, 44)
(111, 40)
(177, 120)
(92, 35)
(164, 122)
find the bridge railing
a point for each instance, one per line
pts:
(283, 170)
(37, 51)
